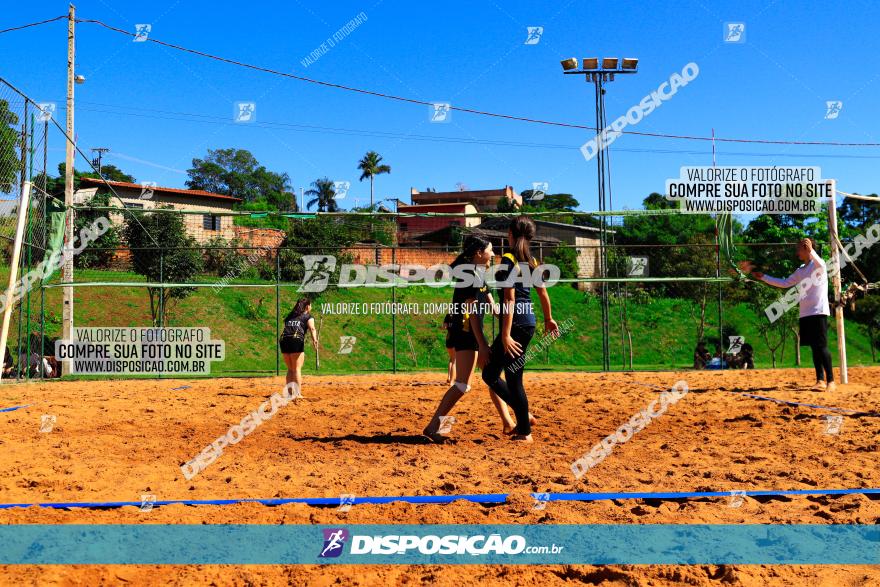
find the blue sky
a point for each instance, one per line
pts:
(157, 108)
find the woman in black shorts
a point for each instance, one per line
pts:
(293, 339)
(466, 332)
(517, 325)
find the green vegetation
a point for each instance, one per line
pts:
(663, 331)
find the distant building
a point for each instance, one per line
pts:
(135, 196)
(483, 200)
(412, 229)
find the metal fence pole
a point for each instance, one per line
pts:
(393, 317)
(277, 310)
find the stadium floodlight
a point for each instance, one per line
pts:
(80, 79)
(600, 76)
(569, 64)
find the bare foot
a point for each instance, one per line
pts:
(532, 420)
(819, 386)
(434, 437)
(522, 437)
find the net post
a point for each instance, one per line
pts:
(13, 265)
(835, 260)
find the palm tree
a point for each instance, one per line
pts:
(323, 193)
(370, 166)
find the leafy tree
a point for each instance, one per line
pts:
(236, 172)
(371, 165)
(858, 216)
(175, 260)
(322, 193)
(551, 202)
(100, 252)
(9, 141)
(867, 312)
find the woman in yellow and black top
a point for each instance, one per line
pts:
(517, 325)
(469, 300)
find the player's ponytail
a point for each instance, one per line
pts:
(522, 229)
(300, 308)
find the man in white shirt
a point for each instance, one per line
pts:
(811, 278)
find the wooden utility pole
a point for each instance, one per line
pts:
(67, 270)
(835, 260)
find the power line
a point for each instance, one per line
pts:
(26, 26)
(208, 119)
(462, 109)
(457, 108)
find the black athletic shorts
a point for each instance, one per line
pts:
(450, 344)
(462, 341)
(814, 330)
(291, 345)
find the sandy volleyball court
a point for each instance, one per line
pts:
(118, 440)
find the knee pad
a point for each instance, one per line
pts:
(462, 387)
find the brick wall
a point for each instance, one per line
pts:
(403, 256)
(259, 237)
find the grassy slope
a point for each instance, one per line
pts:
(662, 330)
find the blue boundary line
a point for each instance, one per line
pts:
(488, 498)
(13, 408)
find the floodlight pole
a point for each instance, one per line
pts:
(67, 268)
(599, 76)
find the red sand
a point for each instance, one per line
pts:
(113, 441)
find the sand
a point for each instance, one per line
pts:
(116, 440)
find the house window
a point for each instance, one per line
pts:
(133, 206)
(403, 227)
(210, 222)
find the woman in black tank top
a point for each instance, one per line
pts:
(297, 324)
